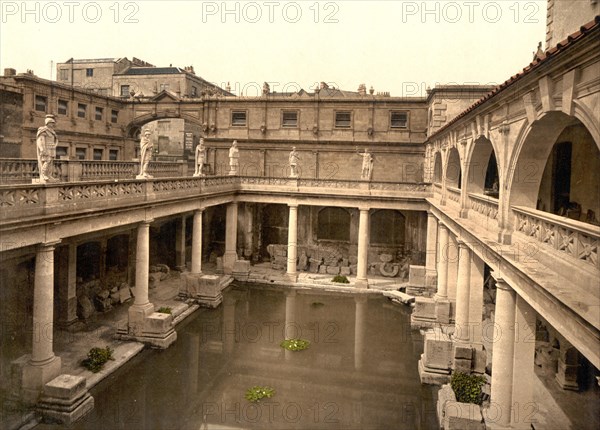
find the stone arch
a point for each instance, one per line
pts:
(387, 227)
(482, 168)
(529, 159)
(333, 224)
(453, 171)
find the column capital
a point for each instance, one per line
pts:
(199, 210)
(364, 208)
(442, 226)
(146, 222)
(431, 215)
(500, 282)
(48, 246)
(293, 205)
(462, 244)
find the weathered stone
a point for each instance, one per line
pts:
(85, 309)
(437, 350)
(333, 270)
(462, 365)
(462, 416)
(345, 271)
(323, 269)
(463, 352)
(479, 360)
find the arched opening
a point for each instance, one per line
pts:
(387, 227)
(483, 169)
(88, 261)
(453, 169)
(333, 224)
(275, 220)
(437, 168)
(556, 169)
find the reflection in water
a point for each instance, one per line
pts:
(360, 371)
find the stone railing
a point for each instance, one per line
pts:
(27, 200)
(453, 194)
(485, 205)
(573, 238)
(20, 171)
(437, 188)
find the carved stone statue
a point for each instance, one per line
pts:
(46, 142)
(146, 146)
(234, 159)
(367, 166)
(294, 158)
(200, 157)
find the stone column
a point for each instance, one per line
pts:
(230, 238)
(503, 355)
(68, 293)
(141, 307)
(102, 263)
(476, 298)
(363, 245)
(462, 323)
(442, 305)
(42, 366)
(360, 312)
(197, 242)
(292, 253)
(180, 244)
(431, 250)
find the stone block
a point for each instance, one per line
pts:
(323, 269)
(65, 387)
(442, 311)
(416, 275)
(445, 394)
(424, 309)
(333, 270)
(437, 352)
(462, 365)
(462, 416)
(479, 360)
(158, 323)
(463, 352)
(345, 271)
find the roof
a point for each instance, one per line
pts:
(153, 71)
(535, 64)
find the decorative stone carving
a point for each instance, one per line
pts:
(234, 159)
(293, 159)
(200, 157)
(46, 142)
(367, 166)
(146, 147)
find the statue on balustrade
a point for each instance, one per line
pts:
(46, 142)
(146, 147)
(367, 166)
(294, 158)
(200, 158)
(234, 159)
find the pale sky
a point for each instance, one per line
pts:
(396, 46)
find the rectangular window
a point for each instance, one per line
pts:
(113, 154)
(99, 113)
(164, 87)
(194, 91)
(89, 72)
(238, 118)
(343, 119)
(41, 103)
(98, 154)
(124, 90)
(289, 118)
(81, 110)
(398, 119)
(63, 107)
(61, 151)
(63, 74)
(114, 116)
(80, 153)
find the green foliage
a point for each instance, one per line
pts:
(295, 344)
(340, 279)
(467, 388)
(165, 310)
(96, 358)
(255, 394)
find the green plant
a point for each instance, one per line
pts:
(340, 279)
(165, 310)
(96, 358)
(295, 344)
(255, 394)
(467, 388)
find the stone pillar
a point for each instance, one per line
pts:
(230, 238)
(141, 307)
(292, 253)
(363, 245)
(68, 295)
(442, 305)
(197, 242)
(462, 323)
(431, 250)
(360, 326)
(42, 366)
(180, 244)
(503, 355)
(102, 263)
(568, 366)
(476, 299)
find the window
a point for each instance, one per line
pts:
(387, 227)
(164, 87)
(343, 119)
(61, 151)
(113, 154)
(398, 119)
(89, 72)
(238, 118)
(114, 116)
(333, 224)
(63, 107)
(289, 118)
(98, 154)
(81, 110)
(164, 126)
(41, 103)
(80, 153)
(124, 90)
(99, 113)
(63, 74)
(194, 91)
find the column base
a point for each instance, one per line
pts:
(229, 259)
(149, 327)
(432, 376)
(464, 213)
(65, 400)
(423, 315)
(291, 277)
(206, 290)
(29, 379)
(443, 310)
(361, 283)
(137, 316)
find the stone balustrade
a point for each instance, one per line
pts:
(484, 205)
(573, 238)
